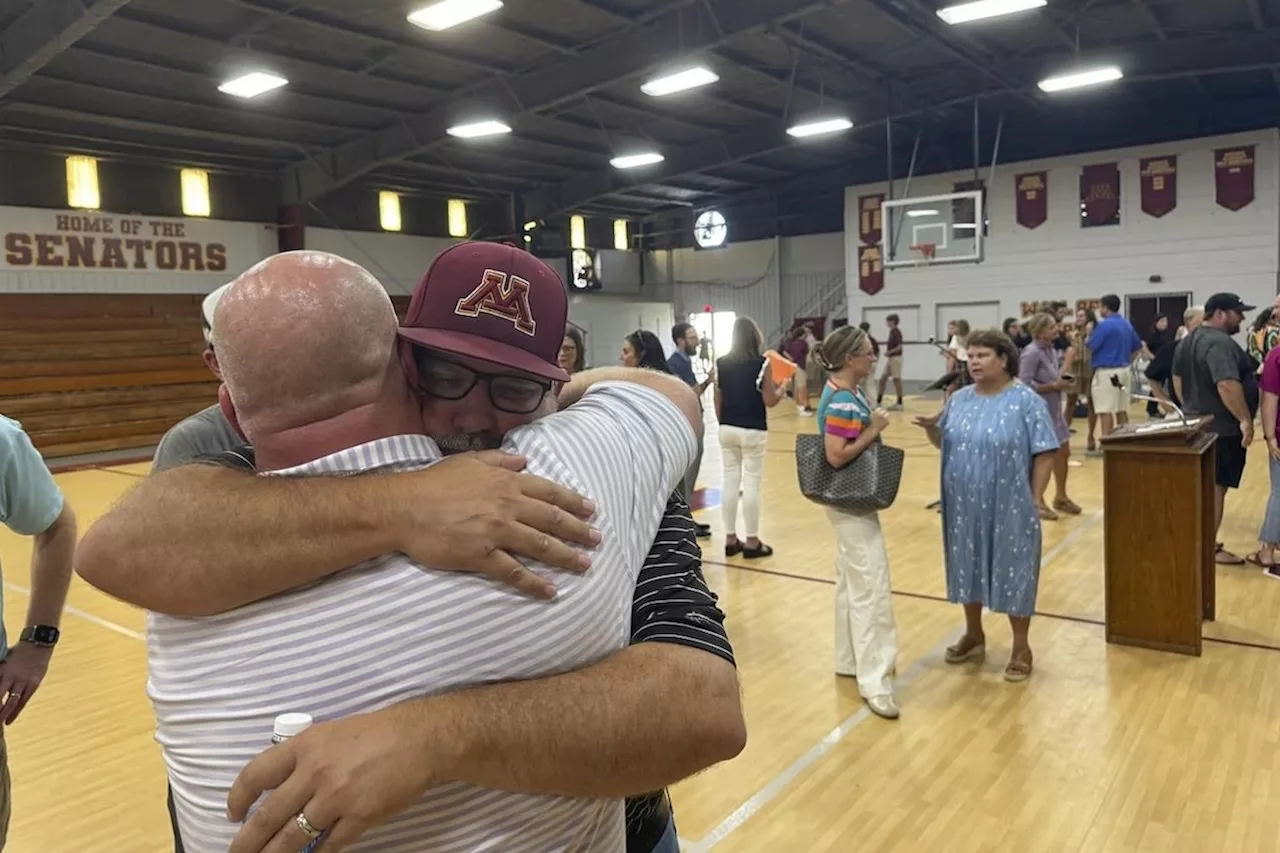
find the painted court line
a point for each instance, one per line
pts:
(88, 617)
(779, 783)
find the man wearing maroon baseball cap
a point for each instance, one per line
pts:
(491, 316)
(494, 303)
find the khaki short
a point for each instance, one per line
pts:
(1107, 398)
(893, 367)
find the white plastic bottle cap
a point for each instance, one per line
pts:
(291, 725)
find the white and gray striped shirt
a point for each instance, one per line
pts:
(390, 630)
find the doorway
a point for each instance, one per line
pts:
(715, 329)
(1143, 311)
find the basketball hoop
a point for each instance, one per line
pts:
(926, 252)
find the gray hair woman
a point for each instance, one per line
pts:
(998, 445)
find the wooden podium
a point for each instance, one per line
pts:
(1158, 483)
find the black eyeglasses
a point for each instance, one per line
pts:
(448, 380)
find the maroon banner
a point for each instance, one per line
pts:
(870, 227)
(1033, 199)
(1159, 177)
(870, 270)
(1100, 192)
(1234, 170)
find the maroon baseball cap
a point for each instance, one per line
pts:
(493, 302)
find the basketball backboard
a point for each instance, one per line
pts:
(940, 229)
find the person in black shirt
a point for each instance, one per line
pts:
(1158, 340)
(744, 390)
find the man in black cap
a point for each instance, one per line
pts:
(1212, 375)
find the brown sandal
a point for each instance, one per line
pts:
(1047, 514)
(1067, 505)
(1018, 669)
(1223, 557)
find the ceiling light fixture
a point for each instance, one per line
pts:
(475, 130)
(690, 78)
(252, 85)
(449, 13)
(963, 13)
(918, 213)
(820, 127)
(632, 161)
(1081, 79)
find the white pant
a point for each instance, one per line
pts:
(866, 635)
(743, 453)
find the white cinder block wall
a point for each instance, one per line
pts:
(1199, 247)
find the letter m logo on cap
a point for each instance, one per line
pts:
(500, 295)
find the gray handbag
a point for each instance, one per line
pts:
(868, 483)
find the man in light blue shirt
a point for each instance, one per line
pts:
(31, 505)
(685, 337)
(1113, 346)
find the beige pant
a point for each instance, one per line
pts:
(866, 634)
(893, 367)
(743, 452)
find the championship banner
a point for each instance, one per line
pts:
(1159, 177)
(1100, 192)
(870, 270)
(1033, 198)
(870, 228)
(54, 240)
(1234, 173)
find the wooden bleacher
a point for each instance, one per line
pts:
(93, 373)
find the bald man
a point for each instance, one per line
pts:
(309, 378)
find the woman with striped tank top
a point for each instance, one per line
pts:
(866, 634)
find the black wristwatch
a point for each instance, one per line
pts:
(44, 636)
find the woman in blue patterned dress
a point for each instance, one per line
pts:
(998, 445)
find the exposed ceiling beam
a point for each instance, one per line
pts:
(348, 28)
(667, 38)
(1260, 24)
(921, 20)
(81, 118)
(1144, 61)
(1163, 35)
(317, 81)
(45, 30)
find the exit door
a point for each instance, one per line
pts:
(1145, 309)
(715, 329)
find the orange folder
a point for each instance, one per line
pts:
(782, 368)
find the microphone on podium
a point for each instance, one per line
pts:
(1115, 380)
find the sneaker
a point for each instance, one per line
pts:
(806, 413)
(896, 407)
(885, 706)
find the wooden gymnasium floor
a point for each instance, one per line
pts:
(1105, 749)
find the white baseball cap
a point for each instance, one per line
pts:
(207, 309)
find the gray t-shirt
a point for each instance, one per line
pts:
(1203, 359)
(204, 433)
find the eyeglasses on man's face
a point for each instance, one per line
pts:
(448, 380)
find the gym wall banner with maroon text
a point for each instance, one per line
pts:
(1033, 198)
(870, 254)
(1159, 177)
(1100, 192)
(1234, 176)
(88, 241)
